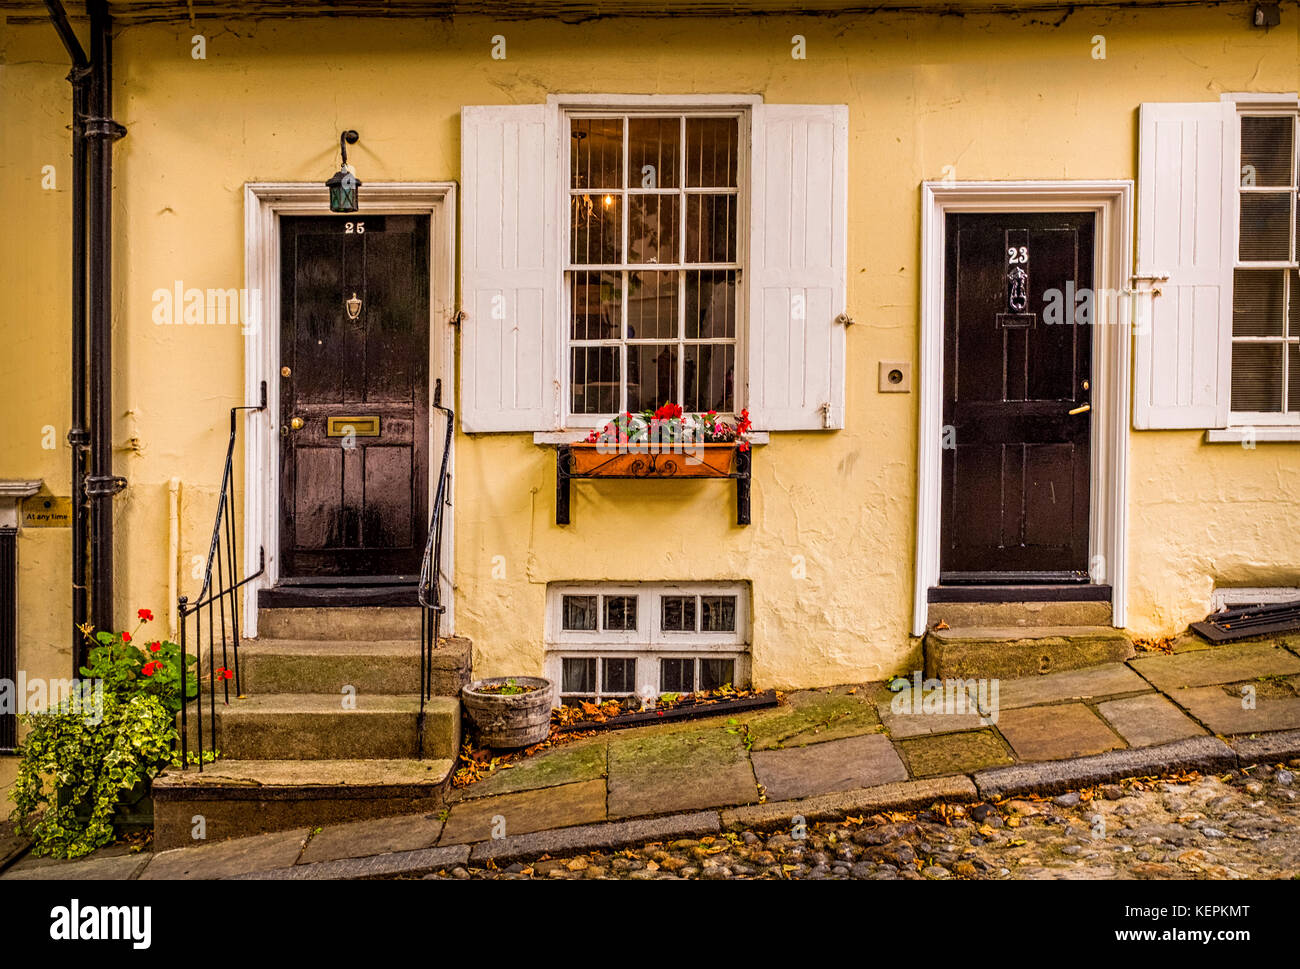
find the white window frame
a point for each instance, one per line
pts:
(1264, 107)
(571, 106)
(650, 643)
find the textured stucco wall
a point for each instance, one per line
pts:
(979, 97)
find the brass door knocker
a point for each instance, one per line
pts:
(353, 306)
(1018, 296)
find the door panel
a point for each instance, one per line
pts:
(354, 503)
(1017, 359)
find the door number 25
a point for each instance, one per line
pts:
(354, 228)
(1017, 255)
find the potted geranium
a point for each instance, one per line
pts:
(663, 442)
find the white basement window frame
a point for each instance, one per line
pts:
(636, 182)
(1266, 284)
(663, 645)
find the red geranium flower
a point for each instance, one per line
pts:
(154, 647)
(126, 637)
(149, 667)
(668, 412)
(145, 615)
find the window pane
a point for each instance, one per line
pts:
(710, 228)
(677, 676)
(710, 378)
(1266, 226)
(1293, 378)
(710, 303)
(715, 673)
(1293, 328)
(618, 676)
(1257, 377)
(580, 613)
(1257, 298)
(652, 228)
(653, 147)
(679, 614)
(711, 145)
(718, 614)
(597, 222)
(1267, 152)
(652, 305)
(594, 305)
(595, 380)
(596, 152)
(620, 613)
(651, 375)
(578, 675)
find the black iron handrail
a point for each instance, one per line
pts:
(430, 589)
(216, 600)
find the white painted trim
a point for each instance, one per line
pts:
(1253, 435)
(656, 102)
(264, 203)
(1112, 202)
(756, 438)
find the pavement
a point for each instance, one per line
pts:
(822, 754)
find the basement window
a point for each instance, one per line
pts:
(607, 641)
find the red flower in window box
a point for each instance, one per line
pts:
(145, 615)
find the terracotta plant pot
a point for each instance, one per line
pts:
(514, 720)
(652, 460)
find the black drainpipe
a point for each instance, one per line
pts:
(79, 435)
(94, 132)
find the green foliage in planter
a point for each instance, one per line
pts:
(91, 765)
(153, 669)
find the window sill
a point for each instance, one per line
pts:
(756, 438)
(1276, 434)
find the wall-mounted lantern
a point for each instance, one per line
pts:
(344, 183)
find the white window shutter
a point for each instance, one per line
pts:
(798, 259)
(1186, 231)
(510, 268)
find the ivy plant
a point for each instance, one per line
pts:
(89, 762)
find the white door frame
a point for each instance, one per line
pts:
(1112, 203)
(264, 203)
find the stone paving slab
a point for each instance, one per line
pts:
(1223, 712)
(1147, 720)
(374, 866)
(1056, 732)
(593, 837)
(583, 761)
(836, 765)
(814, 716)
(665, 773)
(1207, 754)
(1097, 681)
(1217, 664)
(357, 839)
(120, 866)
(525, 811)
(912, 720)
(904, 796)
(958, 753)
(279, 849)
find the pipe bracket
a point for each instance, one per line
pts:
(102, 128)
(104, 485)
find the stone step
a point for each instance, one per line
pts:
(1020, 614)
(390, 666)
(316, 726)
(357, 623)
(244, 797)
(1015, 651)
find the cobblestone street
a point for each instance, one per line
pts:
(1245, 824)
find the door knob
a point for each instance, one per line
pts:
(1083, 408)
(296, 423)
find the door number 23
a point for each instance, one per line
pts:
(1017, 255)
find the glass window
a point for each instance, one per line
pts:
(677, 676)
(620, 613)
(716, 673)
(618, 676)
(578, 676)
(654, 262)
(679, 614)
(580, 613)
(718, 614)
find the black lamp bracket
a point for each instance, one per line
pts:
(346, 138)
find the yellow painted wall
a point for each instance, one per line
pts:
(979, 97)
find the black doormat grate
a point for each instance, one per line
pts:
(1248, 621)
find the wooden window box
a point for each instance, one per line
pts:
(651, 461)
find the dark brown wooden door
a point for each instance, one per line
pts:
(1017, 357)
(354, 475)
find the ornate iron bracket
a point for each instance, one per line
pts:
(104, 485)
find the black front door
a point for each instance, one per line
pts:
(1018, 306)
(354, 395)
